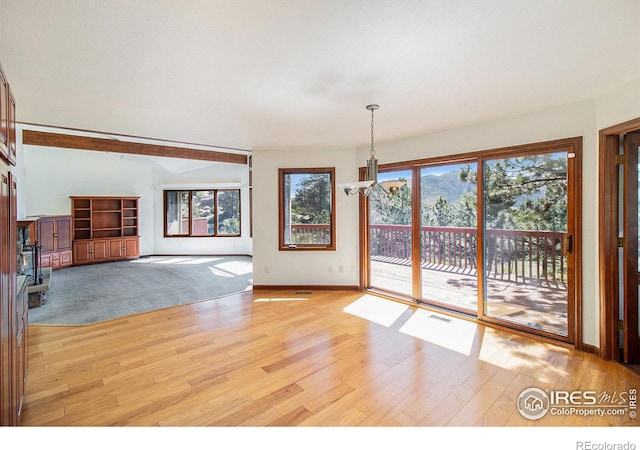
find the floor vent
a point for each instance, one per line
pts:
(440, 318)
(303, 293)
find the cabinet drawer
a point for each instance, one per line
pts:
(45, 260)
(66, 258)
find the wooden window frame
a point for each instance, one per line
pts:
(282, 172)
(215, 210)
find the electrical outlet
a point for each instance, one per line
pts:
(330, 270)
(341, 268)
(266, 269)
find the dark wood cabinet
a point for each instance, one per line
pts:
(46, 234)
(11, 127)
(88, 251)
(54, 233)
(82, 251)
(13, 292)
(6, 305)
(131, 247)
(125, 248)
(13, 301)
(21, 328)
(4, 116)
(104, 229)
(8, 147)
(54, 238)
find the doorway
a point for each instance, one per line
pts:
(618, 242)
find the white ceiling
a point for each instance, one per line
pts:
(253, 74)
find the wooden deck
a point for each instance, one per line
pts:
(533, 303)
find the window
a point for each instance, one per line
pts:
(212, 212)
(306, 209)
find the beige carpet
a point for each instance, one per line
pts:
(82, 295)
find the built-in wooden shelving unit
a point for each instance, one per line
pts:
(105, 229)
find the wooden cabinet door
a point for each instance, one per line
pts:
(116, 248)
(66, 258)
(100, 251)
(20, 370)
(11, 128)
(12, 263)
(131, 247)
(25, 334)
(63, 233)
(46, 234)
(82, 252)
(5, 302)
(4, 116)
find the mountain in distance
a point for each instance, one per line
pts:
(447, 185)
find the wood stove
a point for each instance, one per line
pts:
(28, 254)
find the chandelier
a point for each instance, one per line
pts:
(371, 179)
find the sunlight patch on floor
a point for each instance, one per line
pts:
(379, 310)
(235, 267)
(448, 332)
(194, 261)
(176, 260)
(279, 299)
(221, 273)
(499, 350)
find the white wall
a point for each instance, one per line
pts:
(619, 105)
(48, 176)
(303, 267)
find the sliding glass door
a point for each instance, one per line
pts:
(526, 240)
(492, 234)
(390, 235)
(448, 206)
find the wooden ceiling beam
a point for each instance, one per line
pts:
(46, 139)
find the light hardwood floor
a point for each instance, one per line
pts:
(281, 358)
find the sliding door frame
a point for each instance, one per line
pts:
(436, 162)
(574, 225)
(573, 148)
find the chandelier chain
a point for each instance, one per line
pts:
(372, 152)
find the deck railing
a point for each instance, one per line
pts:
(511, 254)
(310, 233)
(199, 226)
